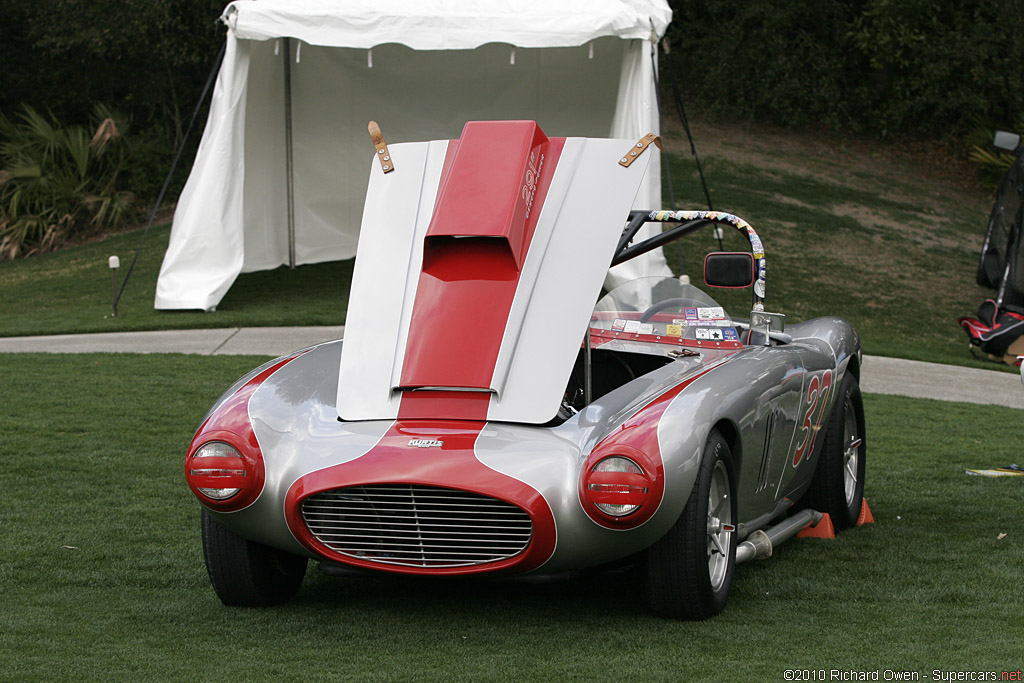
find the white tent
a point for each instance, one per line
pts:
(282, 168)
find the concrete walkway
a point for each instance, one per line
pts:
(879, 376)
(227, 341)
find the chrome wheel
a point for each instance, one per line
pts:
(851, 452)
(720, 526)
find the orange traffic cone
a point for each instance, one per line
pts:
(865, 513)
(823, 529)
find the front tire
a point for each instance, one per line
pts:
(690, 570)
(838, 484)
(248, 574)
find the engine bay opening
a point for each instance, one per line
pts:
(610, 370)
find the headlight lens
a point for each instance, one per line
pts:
(217, 470)
(616, 486)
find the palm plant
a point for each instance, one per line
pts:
(992, 162)
(57, 182)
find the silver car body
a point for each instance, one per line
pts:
(435, 396)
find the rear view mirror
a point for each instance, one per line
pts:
(1006, 141)
(734, 269)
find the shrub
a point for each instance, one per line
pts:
(59, 182)
(938, 66)
(890, 68)
(770, 60)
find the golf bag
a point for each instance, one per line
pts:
(998, 331)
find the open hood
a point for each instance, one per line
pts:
(478, 265)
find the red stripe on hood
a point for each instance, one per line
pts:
(480, 233)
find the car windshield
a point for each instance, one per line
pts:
(665, 308)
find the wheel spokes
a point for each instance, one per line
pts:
(719, 526)
(851, 454)
(718, 545)
(718, 508)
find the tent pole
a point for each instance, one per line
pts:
(289, 168)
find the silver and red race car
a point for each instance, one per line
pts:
(482, 416)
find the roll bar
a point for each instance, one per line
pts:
(689, 221)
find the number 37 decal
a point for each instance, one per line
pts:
(817, 398)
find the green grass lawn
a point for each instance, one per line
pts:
(71, 291)
(888, 243)
(101, 573)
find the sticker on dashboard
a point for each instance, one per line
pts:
(709, 333)
(711, 313)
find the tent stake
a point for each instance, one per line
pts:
(289, 168)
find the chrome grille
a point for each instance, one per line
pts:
(417, 526)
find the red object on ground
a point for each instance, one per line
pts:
(865, 516)
(823, 529)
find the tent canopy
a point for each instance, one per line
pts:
(280, 175)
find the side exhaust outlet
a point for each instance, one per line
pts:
(760, 543)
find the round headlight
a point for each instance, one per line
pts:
(616, 486)
(217, 470)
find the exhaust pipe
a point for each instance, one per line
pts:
(760, 543)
